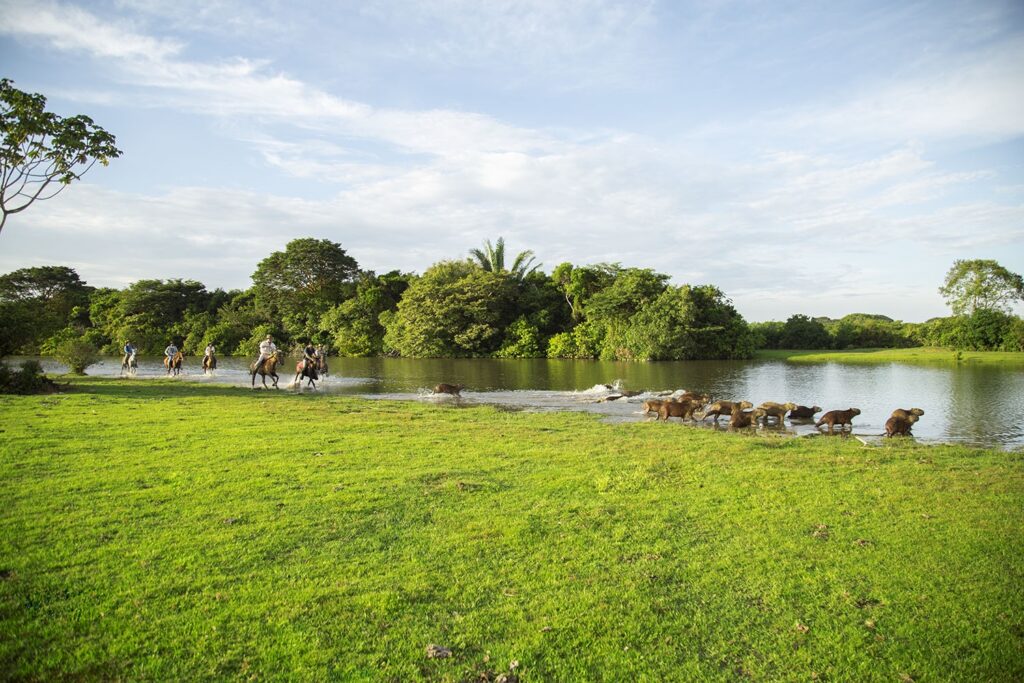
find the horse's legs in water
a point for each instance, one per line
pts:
(274, 375)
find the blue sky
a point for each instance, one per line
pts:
(822, 158)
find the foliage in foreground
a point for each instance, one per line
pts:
(178, 532)
(28, 378)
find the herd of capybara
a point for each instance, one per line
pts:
(698, 406)
(690, 406)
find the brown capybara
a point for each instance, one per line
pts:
(904, 414)
(776, 410)
(838, 417)
(739, 418)
(900, 426)
(719, 408)
(682, 409)
(804, 413)
(653, 405)
(453, 389)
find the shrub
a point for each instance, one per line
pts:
(522, 340)
(29, 379)
(78, 354)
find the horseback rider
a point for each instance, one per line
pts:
(171, 351)
(267, 349)
(210, 350)
(310, 355)
(129, 353)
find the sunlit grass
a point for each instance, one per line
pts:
(927, 354)
(171, 531)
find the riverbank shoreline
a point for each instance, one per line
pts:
(910, 355)
(170, 530)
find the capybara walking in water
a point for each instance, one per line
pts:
(776, 410)
(739, 418)
(804, 413)
(719, 408)
(905, 414)
(900, 426)
(838, 417)
(682, 409)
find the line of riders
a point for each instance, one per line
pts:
(311, 367)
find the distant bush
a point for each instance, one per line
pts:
(28, 379)
(77, 353)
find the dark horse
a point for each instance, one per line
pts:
(304, 369)
(173, 365)
(268, 367)
(321, 364)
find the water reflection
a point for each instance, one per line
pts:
(966, 403)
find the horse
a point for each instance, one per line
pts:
(321, 364)
(308, 371)
(173, 365)
(269, 367)
(130, 364)
(209, 364)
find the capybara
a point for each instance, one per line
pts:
(838, 417)
(739, 418)
(900, 426)
(776, 410)
(653, 405)
(719, 408)
(901, 413)
(804, 413)
(683, 409)
(453, 389)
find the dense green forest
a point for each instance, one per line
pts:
(470, 307)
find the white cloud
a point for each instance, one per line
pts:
(978, 97)
(416, 186)
(71, 28)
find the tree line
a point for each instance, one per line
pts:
(472, 307)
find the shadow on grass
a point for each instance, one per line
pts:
(116, 387)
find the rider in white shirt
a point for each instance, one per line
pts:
(267, 349)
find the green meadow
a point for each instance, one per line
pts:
(926, 354)
(161, 530)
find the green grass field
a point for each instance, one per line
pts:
(927, 354)
(160, 530)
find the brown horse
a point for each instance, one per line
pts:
(321, 364)
(309, 371)
(209, 364)
(269, 367)
(173, 365)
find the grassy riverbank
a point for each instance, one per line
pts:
(929, 354)
(171, 531)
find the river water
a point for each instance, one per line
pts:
(966, 403)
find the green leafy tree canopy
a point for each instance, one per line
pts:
(42, 153)
(301, 283)
(976, 284)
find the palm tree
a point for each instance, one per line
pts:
(492, 259)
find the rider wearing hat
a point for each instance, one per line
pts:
(267, 349)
